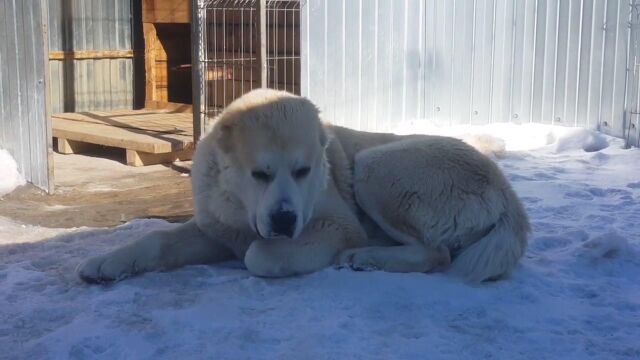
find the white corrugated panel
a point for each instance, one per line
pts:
(370, 64)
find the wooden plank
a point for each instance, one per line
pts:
(150, 39)
(66, 146)
(166, 11)
(139, 140)
(169, 106)
(151, 120)
(92, 54)
(139, 158)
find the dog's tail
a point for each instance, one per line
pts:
(498, 252)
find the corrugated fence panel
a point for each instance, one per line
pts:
(23, 102)
(91, 84)
(372, 64)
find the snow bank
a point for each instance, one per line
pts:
(10, 178)
(500, 137)
(575, 295)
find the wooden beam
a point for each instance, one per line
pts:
(139, 158)
(169, 106)
(150, 43)
(91, 54)
(166, 11)
(66, 146)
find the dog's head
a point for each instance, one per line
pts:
(271, 152)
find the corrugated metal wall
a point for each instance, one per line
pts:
(24, 127)
(372, 63)
(91, 84)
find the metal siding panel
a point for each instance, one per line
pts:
(483, 62)
(396, 67)
(22, 88)
(28, 121)
(586, 64)
(4, 110)
(351, 81)
(332, 89)
(20, 85)
(502, 64)
(413, 55)
(560, 68)
(367, 99)
(429, 61)
(616, 123)
(443, 60)
(572, 64)
(478, 61)
(385, 62)
(609, 67)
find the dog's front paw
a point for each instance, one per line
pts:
(359, 259)
(105, 268)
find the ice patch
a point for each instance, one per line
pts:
(10, 178)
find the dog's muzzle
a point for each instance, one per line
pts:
(283, 222)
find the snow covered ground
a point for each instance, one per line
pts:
(576, 294)
(9, 176)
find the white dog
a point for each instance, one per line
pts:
(276, 188)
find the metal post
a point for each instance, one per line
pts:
(262, 32)
(196, 79)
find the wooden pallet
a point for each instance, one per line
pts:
(148, 136)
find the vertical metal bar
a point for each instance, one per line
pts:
(375, 64)
(615, 65)
(555, 66)
(513, 56)
(473, 52)
(575, 122)
(422, 55)
(360, 65)
(604, 37)
(404, 62)
(44, 13)
(196, 76)
(262, 21)
(591, 70)
(533, 61)
(566, 67)
(625, 107)
(491, 67)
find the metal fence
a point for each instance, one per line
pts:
(242, 45)
(371, 64)
(24, 127)
(81, 28)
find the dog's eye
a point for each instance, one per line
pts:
(302, 172)
(261, 176)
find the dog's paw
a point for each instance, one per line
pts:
(104, 269)
(360, 259)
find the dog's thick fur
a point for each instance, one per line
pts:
(363, 200)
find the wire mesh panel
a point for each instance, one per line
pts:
(243, 45)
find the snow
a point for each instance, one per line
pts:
(10, 178)
(575, 295)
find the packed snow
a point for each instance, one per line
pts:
(575, 295)
(10, 178)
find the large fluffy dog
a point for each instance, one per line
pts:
(275, 187)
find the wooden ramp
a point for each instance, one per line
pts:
(148, 136)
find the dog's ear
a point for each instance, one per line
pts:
(224, 137)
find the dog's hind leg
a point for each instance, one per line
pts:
(402, 258)
(158, 250)
(439, 192)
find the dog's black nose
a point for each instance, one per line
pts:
(283, 223)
